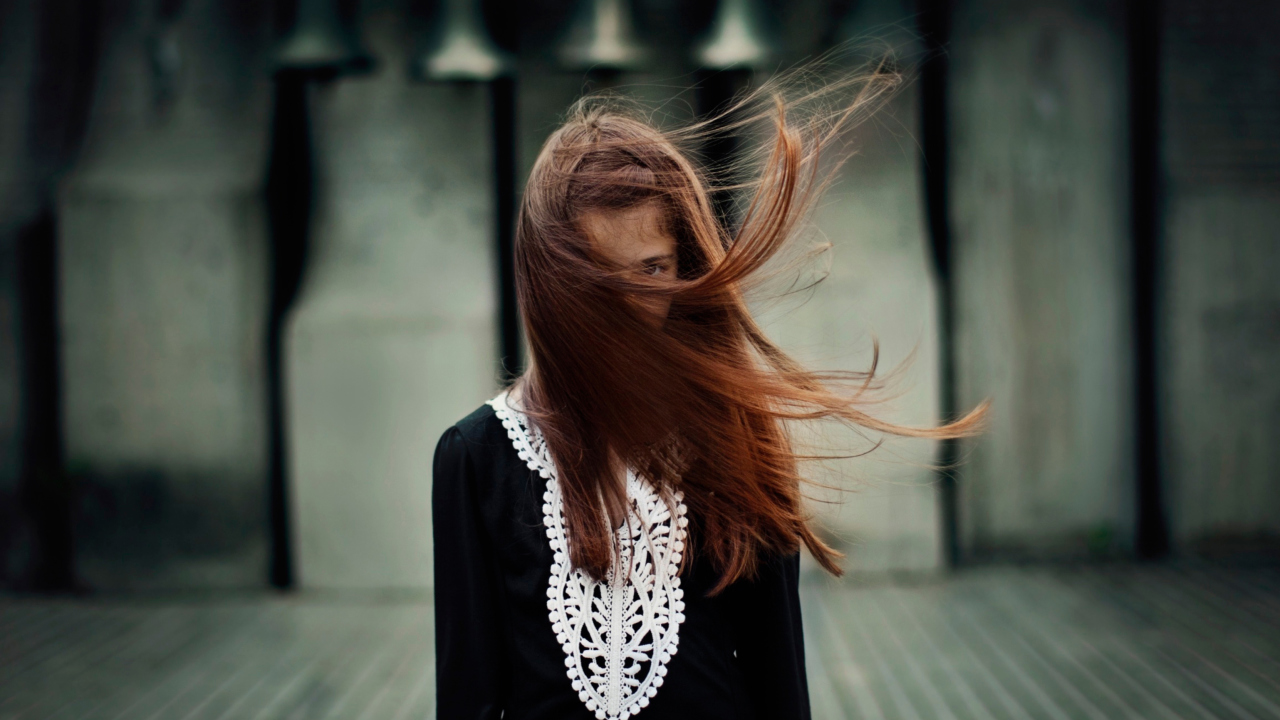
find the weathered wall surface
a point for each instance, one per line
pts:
(163, 301)
(163, 254)
(1219, 327)
(394, 337)
(880, 286)
(1040, 195)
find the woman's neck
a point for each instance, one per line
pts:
(515, 393)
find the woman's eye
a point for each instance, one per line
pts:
(654, 269)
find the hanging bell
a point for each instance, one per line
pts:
(465, 51)
(321, 41)
(737, 41)
(602, 39)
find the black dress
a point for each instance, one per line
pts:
(740, 654)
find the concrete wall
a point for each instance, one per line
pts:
(394, 336)
(1219, 328)
(1040, 195)
(880, 287)
(163, 302)
(163, 291)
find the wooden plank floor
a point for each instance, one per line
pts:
(1094, 643)
(1035, 642)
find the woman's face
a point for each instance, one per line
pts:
(637, 239)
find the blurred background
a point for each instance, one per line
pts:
(255, 258)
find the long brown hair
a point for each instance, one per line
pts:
(701, 402)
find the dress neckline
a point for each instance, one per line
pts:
(618, 634)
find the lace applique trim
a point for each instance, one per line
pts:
(617, 636)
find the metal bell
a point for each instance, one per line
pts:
(321, 41)
(736, 38)
(465, 51)
(602, 38)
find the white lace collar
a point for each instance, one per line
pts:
(617, 637)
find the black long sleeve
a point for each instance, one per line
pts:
(471, 666)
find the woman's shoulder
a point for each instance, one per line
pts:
(480, 424)
(469, 449)
(476, 457)
(477, 434)
(483, 430)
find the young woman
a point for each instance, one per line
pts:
(618, 533)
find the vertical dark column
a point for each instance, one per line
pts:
(60, 97)
(46, 492)
(289, 198)
(502, 92)
(1152, 534)
(935, 29)
(716, 88)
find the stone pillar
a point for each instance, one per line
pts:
(1219, 323)
(163, 302)
(47, 61)
(880, 287)
(17, 55)
(1039, 187)
(394, 336)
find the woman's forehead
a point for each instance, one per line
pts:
(631, 234)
